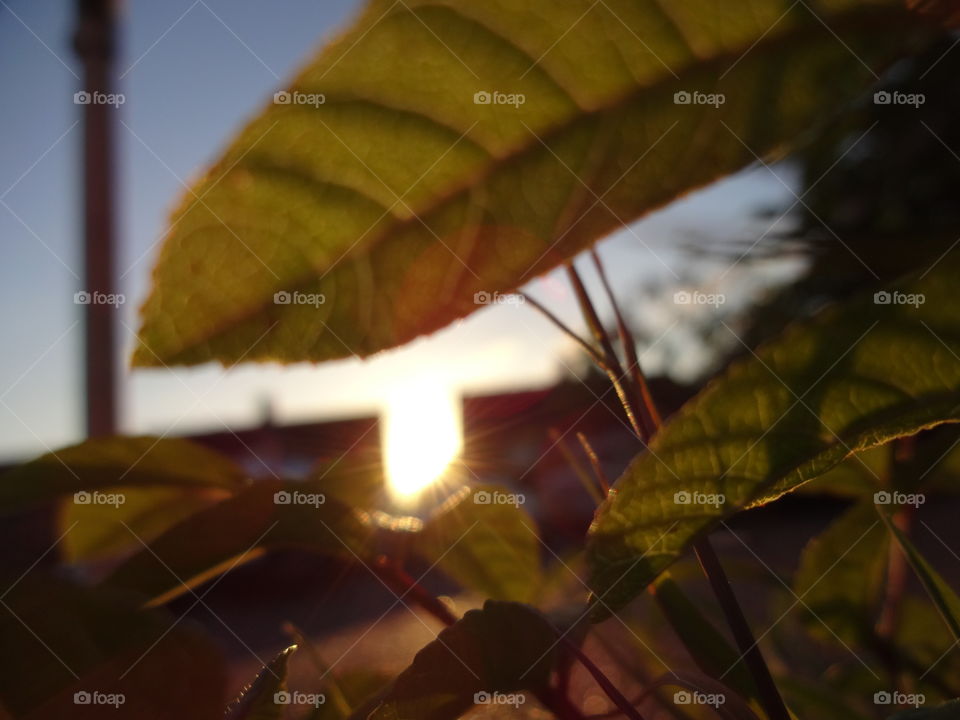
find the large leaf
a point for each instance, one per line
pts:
(504, 648)
(239, 529)
(854, 377)
(841, 575)
(390, 204)
(59, 640)
(115, 461)
(487, 546)
(93, 531)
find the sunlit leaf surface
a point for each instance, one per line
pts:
(854, 377)
(440, 149)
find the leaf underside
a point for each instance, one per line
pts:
(399, 198)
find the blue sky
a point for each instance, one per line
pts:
(191, 73)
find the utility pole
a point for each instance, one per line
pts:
(94, 43)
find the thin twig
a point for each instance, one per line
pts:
(588, 484)
(613, 368)
(616, 697)
(595, 463)
(767, 691)
(402, 584)
(587, 347)
(630, 350)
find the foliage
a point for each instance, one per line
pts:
(442, 148)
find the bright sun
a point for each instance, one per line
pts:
(422, 437)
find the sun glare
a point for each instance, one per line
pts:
(422, 436)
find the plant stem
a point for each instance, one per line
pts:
(402, 584)
(616, 697)
(630, 351)
(585, 480)
(595, 463)
(611, 362)
(767, 691)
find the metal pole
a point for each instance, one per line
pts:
(94, 44)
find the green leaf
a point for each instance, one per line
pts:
(855, 376)
(114, 461)
(258, 701)
(399, 198)
(239, 529)
(710, 650)
(841, 574)
(488, 547)
(98, 531)
(503, 648)
(943, 596)
(59, 639)
(947, 711)
(855, 477)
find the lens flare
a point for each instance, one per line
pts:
(422, 436)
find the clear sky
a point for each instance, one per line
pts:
(191, 72)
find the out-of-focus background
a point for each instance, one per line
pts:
(768, 245)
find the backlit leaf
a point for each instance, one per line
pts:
(854, 377)
(438, 150)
